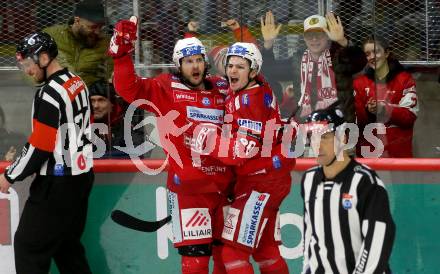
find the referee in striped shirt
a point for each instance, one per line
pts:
(59, 153)
(348, 226)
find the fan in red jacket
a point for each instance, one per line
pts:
(386, 94)
(198, 188)
(263, 173)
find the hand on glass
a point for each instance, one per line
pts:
(335, 30)
(269, 29)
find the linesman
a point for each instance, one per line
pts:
(59, 152)
(348, 226)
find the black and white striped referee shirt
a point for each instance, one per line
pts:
(60, 143)
(348, 226)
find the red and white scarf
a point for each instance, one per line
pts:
(325, 82)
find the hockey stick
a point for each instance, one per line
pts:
(126, 220)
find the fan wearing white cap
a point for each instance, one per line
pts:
(322, 74)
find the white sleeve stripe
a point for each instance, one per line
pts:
(373, 179)
(364, 228)
(368, 173)
(43, 169)
(408, 90)
(307, 241)
(319, 227)
(313, 262)
(84, 98)
(63, 93)
(353, 217)
(46, 97)
(308, 182)
(379, 182)
(78, 103)
(19, 167)
(376, 247)
(336, 229)
(65, 77)
(408, 100)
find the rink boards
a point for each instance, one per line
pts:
(414, 199)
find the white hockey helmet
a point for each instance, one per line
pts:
(248, 51)
(188, 47)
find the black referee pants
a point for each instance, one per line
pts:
(51, 225)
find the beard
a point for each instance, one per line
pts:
(87, 39)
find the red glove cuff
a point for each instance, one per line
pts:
(126, 31)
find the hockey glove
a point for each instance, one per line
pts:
(123, 38)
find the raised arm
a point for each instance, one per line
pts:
(127, 84)
(275, 70)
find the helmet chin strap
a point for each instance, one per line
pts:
(44, 68)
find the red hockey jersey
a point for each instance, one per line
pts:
(178, 109)
(256, 122)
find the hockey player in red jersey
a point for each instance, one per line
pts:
(263, 179)
(197, 189)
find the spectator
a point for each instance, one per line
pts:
(10, 141)
(386, 93)
(82, 43)
(326, 66)
(109, 110)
